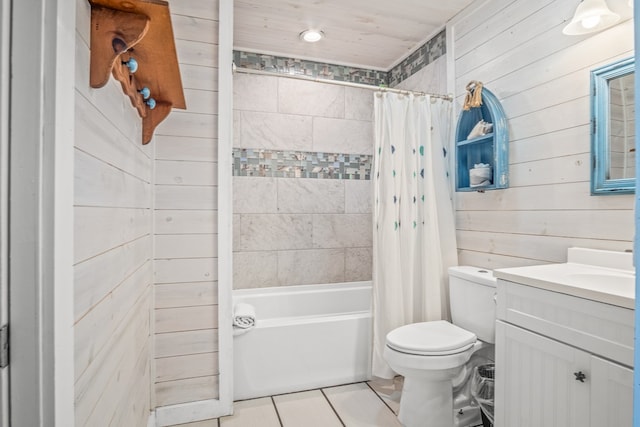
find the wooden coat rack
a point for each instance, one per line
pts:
(133, 41)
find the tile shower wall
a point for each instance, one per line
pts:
(289, 230)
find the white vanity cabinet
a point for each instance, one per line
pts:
(561, 360)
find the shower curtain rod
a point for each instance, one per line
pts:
(340, 83)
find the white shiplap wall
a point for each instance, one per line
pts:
(516, 47)
(112, 256)
(185, 218)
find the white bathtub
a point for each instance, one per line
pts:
(306, 337)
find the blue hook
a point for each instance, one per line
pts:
(132, 64)
(145, 92)
(151, 103)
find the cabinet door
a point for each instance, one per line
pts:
(611, 393)
(536, 381)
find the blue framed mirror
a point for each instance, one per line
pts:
(613, 128)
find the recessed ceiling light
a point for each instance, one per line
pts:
(311, 36)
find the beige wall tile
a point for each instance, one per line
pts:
(342, 136)
(263, 232)
(275, 131)
(255, 269)
(358, 264)
(309, 195)
(358, 196)
(310, 98)
(358, 104)
(254, 195)
(341, 231)
(255, 93)
(311, 267)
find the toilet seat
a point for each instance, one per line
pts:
(437, 338)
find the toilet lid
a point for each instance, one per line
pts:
(430, 338)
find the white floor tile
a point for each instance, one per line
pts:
(252, 413)
(308, 409)
(359, 406)
(205, 423)
(389, 391)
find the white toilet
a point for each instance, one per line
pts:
(434, 356)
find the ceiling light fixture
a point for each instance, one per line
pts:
(311, 36)
(591, 16)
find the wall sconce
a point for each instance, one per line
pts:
(591, 16)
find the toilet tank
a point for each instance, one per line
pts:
(472, 293)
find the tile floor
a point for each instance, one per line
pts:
(370, 404)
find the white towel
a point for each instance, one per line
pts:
(244, 316)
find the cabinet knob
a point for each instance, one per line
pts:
(131, 64)
(580, 376)
(145, 92)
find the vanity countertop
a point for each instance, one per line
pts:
(587, 275)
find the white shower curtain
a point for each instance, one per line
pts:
(413, 226)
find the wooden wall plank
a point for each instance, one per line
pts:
(170, 295)
(185, 148)
(172, 221)
(94, 330)
(186, 318)
(517, 50)
(185, 343)
(95, 278)
(186, 270)
(186, 390)
(100, 184)
(97, 230)
(170, 246)
(186, 197)
(182, 172)
(194, 28)
(190, 366)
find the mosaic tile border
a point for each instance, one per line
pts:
(300, 164)
(283, 65)
(423, 56)
(420, 58)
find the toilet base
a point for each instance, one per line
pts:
(426, 403)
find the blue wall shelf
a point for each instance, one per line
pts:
(492, 148)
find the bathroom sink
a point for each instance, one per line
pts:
(603, 276)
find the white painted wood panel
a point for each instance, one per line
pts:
(97, 230)
(170, 246)
(193, 28)
(93, 331)
(95, 278)
(197, 53)
(587, 224)
(196, 8)
(190, 366)
(186, 197)
(99, 184)
(125, 344)
(182, 124)
(541, 248)
(186, 390)
(185, 343)
(493, 261)
(186, 294)
(185, 148)
(199, 77)
(186, 173)
(97, 136)
(186, 318)
(571, 196)
(170, 221)
(186, 270)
